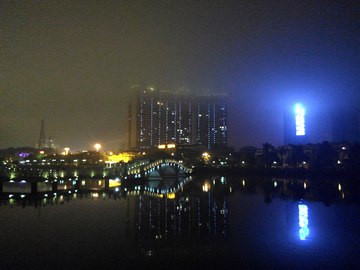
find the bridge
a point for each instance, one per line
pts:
(156, 170)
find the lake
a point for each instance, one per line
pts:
(215, 222)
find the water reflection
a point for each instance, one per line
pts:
(328, 192)
(303, 221)
(222, 220)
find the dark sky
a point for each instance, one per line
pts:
(72, 62)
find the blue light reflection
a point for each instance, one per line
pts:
(303, 221)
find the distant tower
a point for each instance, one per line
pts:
(42, 135)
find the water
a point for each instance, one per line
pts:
(213, 223)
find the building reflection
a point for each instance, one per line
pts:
(303, 221)
(185, 215)
(209, 218)
(185, 193)
(182, 209)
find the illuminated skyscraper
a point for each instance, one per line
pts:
(160, 117)
(295, 125)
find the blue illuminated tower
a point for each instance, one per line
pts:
(295, 125)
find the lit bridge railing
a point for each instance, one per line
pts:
(143, 169)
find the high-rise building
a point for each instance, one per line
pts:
(295, 125)
(302, 126)
(161, 117)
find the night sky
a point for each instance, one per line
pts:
(72, 63)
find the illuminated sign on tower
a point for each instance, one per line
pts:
(300, 120)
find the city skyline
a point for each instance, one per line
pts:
(71, 63)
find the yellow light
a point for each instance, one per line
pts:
(122, 157)
(171, 145)
(206, 156)
(171, 196)
(42, 152)
(161, 146)
(67, 149)
(114, 183)
(206, 187)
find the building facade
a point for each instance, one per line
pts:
(161, 117)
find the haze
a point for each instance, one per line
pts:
(72, 63)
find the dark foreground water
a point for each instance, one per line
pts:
(213, 223)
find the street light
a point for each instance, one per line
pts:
(97, 147)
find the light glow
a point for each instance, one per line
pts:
(300, 120)
(171, 196)
(171, 145)
(97, 147)
(303, 222)
(206, 156)
(114, 183)
(206, 187)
